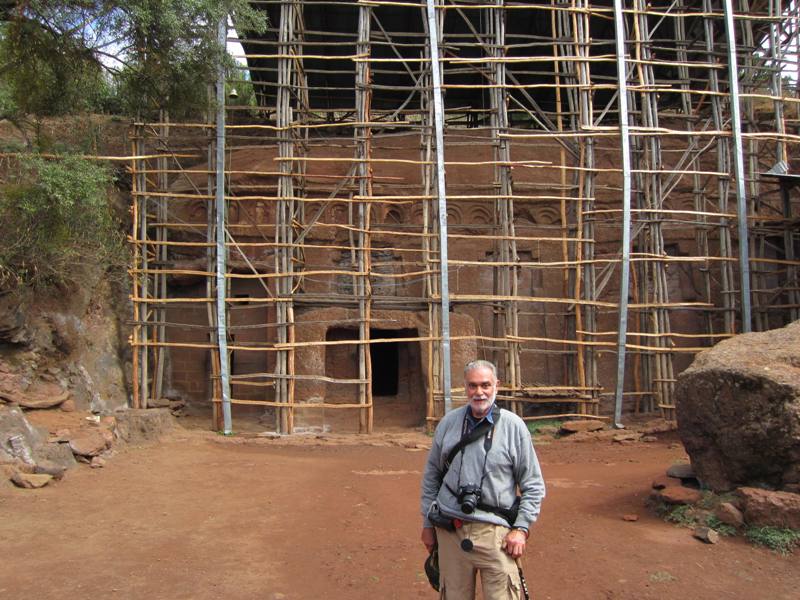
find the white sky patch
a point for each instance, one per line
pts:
(235, 48)
(236, 51)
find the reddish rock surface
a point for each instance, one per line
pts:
(579, 426)
(632, 518)
(31, 480)
(41, 394)
(678, 495)
(662, 481)
(90, 443)
(729, 514)
(767, 508)
(738, 409)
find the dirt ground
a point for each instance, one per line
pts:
(201, 516)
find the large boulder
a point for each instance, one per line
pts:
(738, 408)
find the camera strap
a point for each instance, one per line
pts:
(484, 427)
(487, 429)
(509, 514)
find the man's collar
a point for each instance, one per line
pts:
(489, 415)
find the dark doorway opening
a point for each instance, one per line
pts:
(397, 384)
(398, 388)
(385, 357)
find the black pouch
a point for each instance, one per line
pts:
(439, 520)
(509, 514)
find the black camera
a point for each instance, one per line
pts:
(469, 496)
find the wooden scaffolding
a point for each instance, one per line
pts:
(333, 213)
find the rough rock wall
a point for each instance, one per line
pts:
(62, 351)
(738, 409)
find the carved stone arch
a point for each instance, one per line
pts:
(677, 201)
(198, 212)
(524, 215)
(312, 207)
(338, 212)
(416, 213)
(480, 215)
(263, 213)
(394, 215)
(455, 215)
(546, 215)
(234, 211)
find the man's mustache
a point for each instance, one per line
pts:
(482, 397)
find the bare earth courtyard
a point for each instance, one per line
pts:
(201, 516)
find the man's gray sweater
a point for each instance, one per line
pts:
(511, 463)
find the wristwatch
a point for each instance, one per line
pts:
(523, 530)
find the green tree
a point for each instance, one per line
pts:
(59, 56)
(47, 75)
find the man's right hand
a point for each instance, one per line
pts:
(428, 537)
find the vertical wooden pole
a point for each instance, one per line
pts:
(136, 133)
(289, 27)
(699, 200)
(586, 188)
(563, 29)
(429, 253)
(363, 142)
(144, 279)
(652, 195)
(161, 352)
(723, 165)
(494, 18)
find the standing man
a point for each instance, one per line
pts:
(481, 455)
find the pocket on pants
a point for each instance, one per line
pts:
(514, 587)
(503, 586)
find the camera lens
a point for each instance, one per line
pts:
(469, 496)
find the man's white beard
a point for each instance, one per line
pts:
(491, 402)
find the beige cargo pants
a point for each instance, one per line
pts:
(499, 573)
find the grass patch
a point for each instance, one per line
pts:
(690, 516)
(780, 540)
(662, 577)
(711, 500)
(681, 515)
(545, 427)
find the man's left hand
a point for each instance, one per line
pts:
(514, 543)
